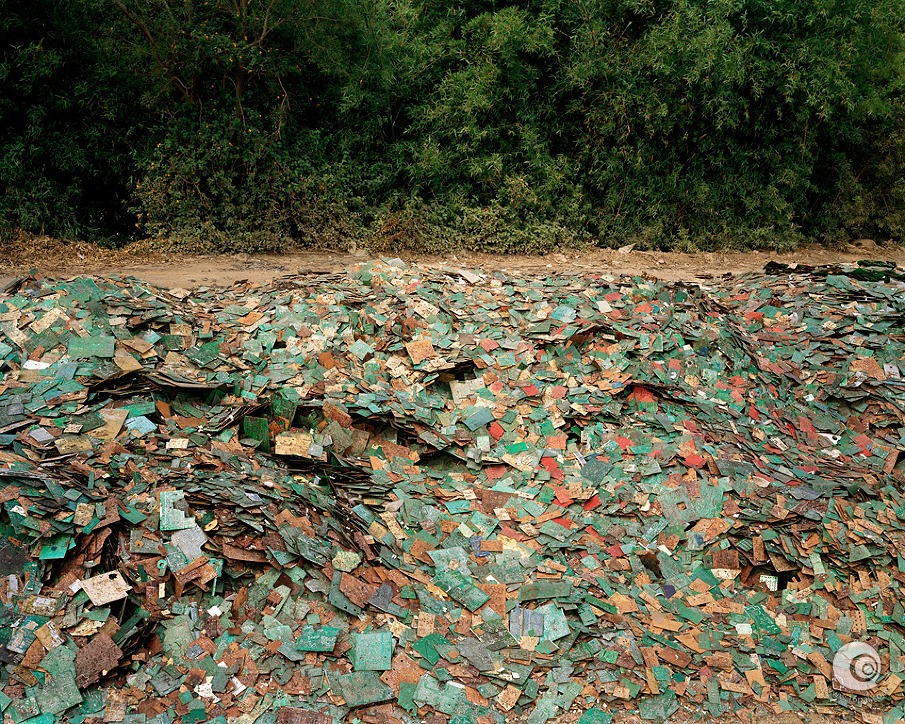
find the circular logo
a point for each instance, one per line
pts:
(856, 666)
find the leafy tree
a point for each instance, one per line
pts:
(231, 93)
(505, 125)
(728, 118)
(66, 120)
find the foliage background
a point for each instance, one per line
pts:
(506, 126)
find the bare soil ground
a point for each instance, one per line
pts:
(167, 269)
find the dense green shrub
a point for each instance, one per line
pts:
(67, 123)
(869, 201)
(728, 118)
(507, 126)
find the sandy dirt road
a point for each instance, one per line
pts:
(170, 270)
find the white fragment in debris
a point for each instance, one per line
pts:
(106, 587)
(206, 689)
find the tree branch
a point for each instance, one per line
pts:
(184, 90)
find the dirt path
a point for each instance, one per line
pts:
(170, 270)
